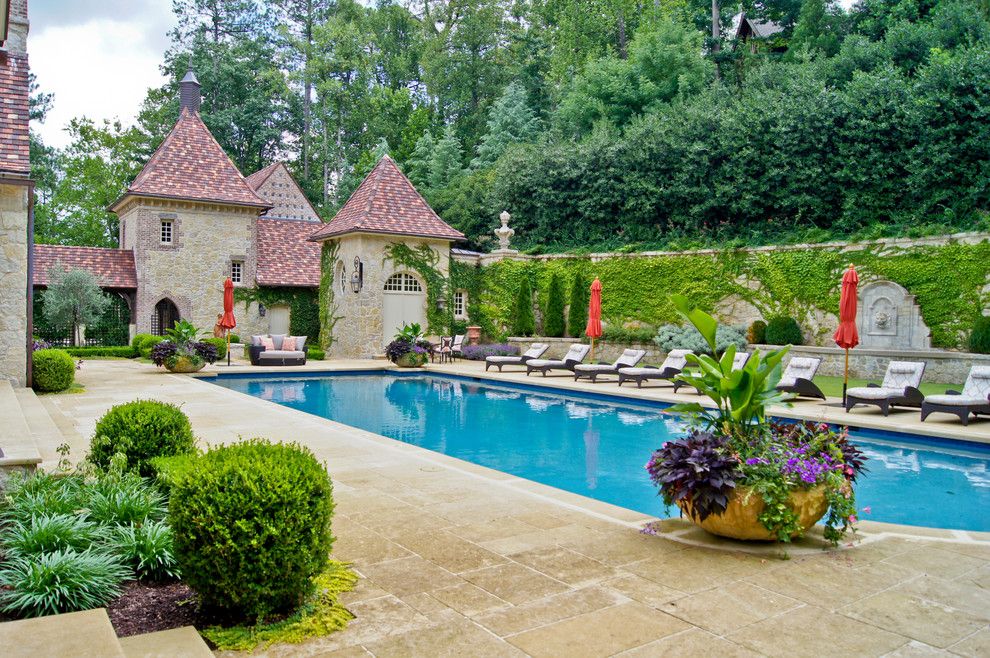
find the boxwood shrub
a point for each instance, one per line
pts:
(252, 526)
(53, 371)
(141, 430)
(979, 338)
(783, 330)
(143, 343)
(757, 332)
(220, 344)
(124, 351)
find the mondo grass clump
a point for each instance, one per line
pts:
(141, 430)
(252, 527)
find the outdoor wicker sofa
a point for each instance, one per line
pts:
(899, 388)
(535, 351)
(738, 361)
(671, 367)
(577, 353)
(798, 375)
(973, 399)
(261, 355)
(592, 371)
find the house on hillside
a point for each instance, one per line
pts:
(756, 34)
(189, 220)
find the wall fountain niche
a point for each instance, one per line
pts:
(889, 318)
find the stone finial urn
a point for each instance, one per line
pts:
(504, 233)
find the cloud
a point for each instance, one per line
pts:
(98, 63)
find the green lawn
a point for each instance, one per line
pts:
(832, 386)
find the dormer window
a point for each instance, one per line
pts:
(236, 271)
(166, 233)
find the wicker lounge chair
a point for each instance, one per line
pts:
(738, 361)
(974, 398)
(798, 375)
(628, 359)
(899, 388)
(670, 367)
(577, 353)
(535, 351)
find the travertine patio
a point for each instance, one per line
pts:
(456, 559)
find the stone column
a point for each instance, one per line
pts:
(13, 282)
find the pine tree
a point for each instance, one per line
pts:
(420, 162)
(511, 121)
(446, 165)
(553, 321)
(524, 323)
(577, 315)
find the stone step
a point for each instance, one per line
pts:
(78, 443)
(184, 641)
(44, 431)
(19, 451)
(86, 634)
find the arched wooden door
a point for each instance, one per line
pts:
(165, 316)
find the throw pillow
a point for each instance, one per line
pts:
(267, 343)
(289, 343)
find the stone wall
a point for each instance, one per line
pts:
(942, 366)
(191, 270)
(13, 282)
(359, 333)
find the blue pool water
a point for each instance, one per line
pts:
(597, 447)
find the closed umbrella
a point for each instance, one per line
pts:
(227, 321)
(594, 328)
(846, 335)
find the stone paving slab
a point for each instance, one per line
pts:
(457, 559)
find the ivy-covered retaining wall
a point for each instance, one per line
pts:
(948, 277)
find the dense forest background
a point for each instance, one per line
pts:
(599, 124)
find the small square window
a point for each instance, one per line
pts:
(460, 304)
(166, 231)
(236, 271)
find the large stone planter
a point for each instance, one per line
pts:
(411, 360)
(741, 518)
(184, 364)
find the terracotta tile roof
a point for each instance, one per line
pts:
(285, 257)
(386, 202)
(190, 164)
(14, 115)
(114, 268)
(278, 187)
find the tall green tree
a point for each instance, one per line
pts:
(511, 121)
(523, 320)
(420, 162)
(447, 165)
(818, 28)
(577, 313)
(73, 298)
(553, 319)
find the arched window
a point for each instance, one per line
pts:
(403, 282)
(164, 318)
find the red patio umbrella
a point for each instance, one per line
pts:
(846, 336)
(594, 328)
(227, 321)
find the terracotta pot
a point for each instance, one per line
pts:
(473, 335)
(184, 364)
(411, 360)
(741, 517)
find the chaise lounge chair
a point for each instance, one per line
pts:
(670, 367)
(798, 375)
(628, 359)
(974, 398)
(738, 361)
(575, 355)
(899, 388)
(535, 351)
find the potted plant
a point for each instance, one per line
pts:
(181, 352)
(408, 349)
(737, 475)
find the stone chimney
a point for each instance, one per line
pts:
(189, 96)
(17, 29)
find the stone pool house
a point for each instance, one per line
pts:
(189, 220)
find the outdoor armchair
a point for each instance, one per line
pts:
(628, 359)
(974, 398)
(899, 388)
(798, 375)
(575, 355)
(671, 366)
(535, 351)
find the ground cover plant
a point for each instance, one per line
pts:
(481, 352)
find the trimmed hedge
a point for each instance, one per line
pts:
(141, 430)
(783, 330)
(126, 351)
(979, 338)
(144, 342)
(252, 526)
(220, 344)
(52, 371)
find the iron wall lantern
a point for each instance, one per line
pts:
(357, 277)
(262, 310)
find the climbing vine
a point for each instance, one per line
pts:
(302, 303)
(327, 306)
(423, 260)
(947, 282)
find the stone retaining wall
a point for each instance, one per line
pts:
(943, 366)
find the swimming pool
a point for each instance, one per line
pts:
(596, 446)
